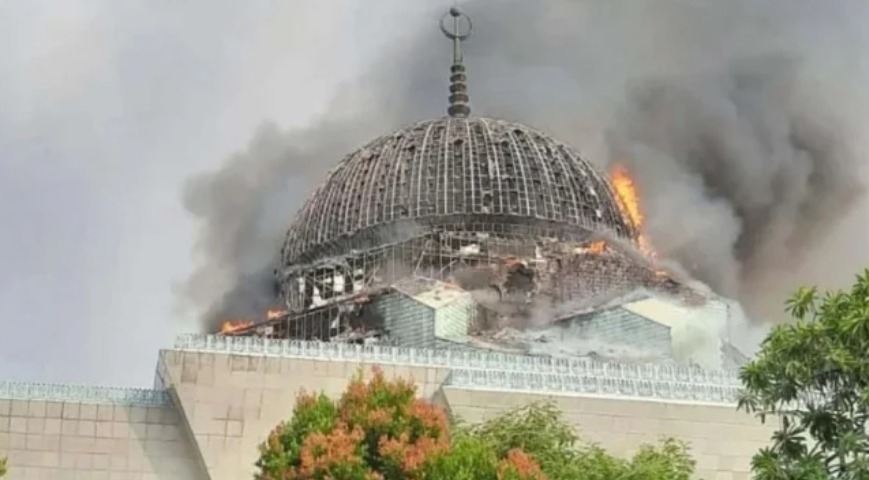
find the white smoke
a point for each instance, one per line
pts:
(741, 121)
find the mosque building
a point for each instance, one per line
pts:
(483, 259)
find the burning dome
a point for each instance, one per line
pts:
(453, 171)
(482, 221)
(456, 193)
(468, 232)
(443, 195)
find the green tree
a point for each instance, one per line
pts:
(380, 430)
(540, 430)
(2, 467)
(813, 376)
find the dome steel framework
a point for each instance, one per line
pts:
(448, 171)
(477, 202)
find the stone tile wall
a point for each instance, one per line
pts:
(223, 405)
(232, 402)
(70, 440)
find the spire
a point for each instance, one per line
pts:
(458, 88)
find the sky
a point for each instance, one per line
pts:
(108, 109)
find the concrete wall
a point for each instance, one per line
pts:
(47, 440)
(220, 405)
(232, 402)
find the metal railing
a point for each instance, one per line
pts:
(83, 394)
(561, 383)
(482, 369)
(468, 369)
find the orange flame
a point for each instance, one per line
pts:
(231, 326)
(597, 247)
(628, 200)
(626, 195)
(274, 313)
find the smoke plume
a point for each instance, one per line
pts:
(740, 120)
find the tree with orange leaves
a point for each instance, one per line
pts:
(380, 430)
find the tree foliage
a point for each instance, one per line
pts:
(380, 430)
(813, 375)
(540, 431)
(2, 467)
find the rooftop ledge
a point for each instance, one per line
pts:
(495, 370)
(48, 392)
(468, 369)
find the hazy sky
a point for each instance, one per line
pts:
(106, 108)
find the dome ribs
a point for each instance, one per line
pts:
(398, 182)
(451, 171)
(520, 156)
(478, 172)
(492, 158)
(567, 195)
(457, 184)
(418, 170)
(452, 202)
(534, 168)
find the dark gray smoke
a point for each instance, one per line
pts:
(745, 172)
(244, 209)
(741, 121)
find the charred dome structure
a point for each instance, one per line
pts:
(489, 218)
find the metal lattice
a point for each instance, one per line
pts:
(448, 200)
(519, 222)
(451, 170)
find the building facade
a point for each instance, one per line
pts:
(217, 398)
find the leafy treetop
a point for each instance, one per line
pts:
(813, 375)
(380, 430)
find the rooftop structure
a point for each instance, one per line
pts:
(516, 219)
(216, 398)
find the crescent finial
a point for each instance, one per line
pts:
(458, 88)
